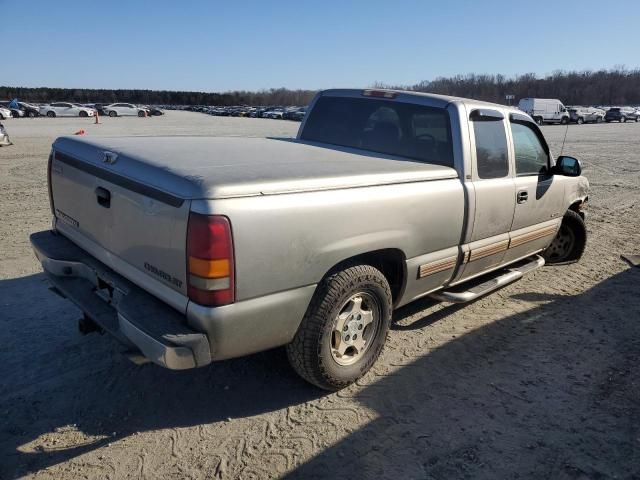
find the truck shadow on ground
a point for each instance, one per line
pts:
(548, 393)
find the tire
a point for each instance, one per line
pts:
(599, 120)
(83, 114)
(141, 113)
(314, 352)
(112, 113)
(623, 119)
(580, 120)
(51, 114)
(637, 119)
(570, 241)
(539, 121)
(564, 121)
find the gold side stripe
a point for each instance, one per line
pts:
(492, 249)
(530, 237)
(435, 267)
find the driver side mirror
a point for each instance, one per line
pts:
(568, 166)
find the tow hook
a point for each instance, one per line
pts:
(87, 326)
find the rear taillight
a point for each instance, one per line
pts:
(210, 264)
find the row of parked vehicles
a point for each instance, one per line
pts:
(16, 109)
(273, 112)
(551, 110)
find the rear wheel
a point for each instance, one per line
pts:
(113, 113)
(141, 113)
(539, 121)
(51, 114)
(623, 119)
(570, 241)
(344, 329)
(599, 120)
(580, 120)
(83, 113)
(564, 121)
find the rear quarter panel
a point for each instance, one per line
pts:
(292, 240)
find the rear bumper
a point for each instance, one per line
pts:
(134, 317)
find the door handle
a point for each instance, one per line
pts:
(522, 196)
(104, 197)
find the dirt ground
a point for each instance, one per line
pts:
(538, 380)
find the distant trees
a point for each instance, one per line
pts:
(618, 86)
(603, 87)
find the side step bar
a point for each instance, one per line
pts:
(462, 294)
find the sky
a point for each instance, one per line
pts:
(212, 46)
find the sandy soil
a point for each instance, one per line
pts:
(538, 380)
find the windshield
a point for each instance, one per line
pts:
(384, 126)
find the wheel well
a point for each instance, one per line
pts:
(390, 261)
(578, 206)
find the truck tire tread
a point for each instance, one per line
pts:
(305, 353)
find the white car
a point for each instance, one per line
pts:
(4, 113)
(124, 109)
(274, 114)
(64, 109)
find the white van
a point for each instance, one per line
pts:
(545, 110)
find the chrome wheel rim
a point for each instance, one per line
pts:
(354, 328)
(562, 244)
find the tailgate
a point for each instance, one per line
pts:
(123, 220)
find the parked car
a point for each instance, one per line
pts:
(582, 115)
(29, 109)
(621, 114)
(5, 113)
(299, 114)
(65, 109)
(545, 110)
(246, 244)
(155, 111)
(275, 113)
(124, 110)
(15, 112)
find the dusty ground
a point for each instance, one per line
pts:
(539, 380)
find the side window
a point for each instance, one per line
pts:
(531, 157)
(491, 148)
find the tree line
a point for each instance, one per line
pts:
(617, 86)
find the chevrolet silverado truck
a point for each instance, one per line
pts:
(195, 249)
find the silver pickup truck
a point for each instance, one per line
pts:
(194, 249)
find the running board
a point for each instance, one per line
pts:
(500, 278)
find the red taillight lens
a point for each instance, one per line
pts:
(210, 263)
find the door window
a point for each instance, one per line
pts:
(491, 148)
(531, 156)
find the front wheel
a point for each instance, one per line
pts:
(623, 119)
(580, 120)
(112, 113)
(570, 241)
(564, 121)
(344, 329)
(51, 114)
(539, 121)
(83, 114)
(141, 113)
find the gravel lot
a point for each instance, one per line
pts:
(538, 380)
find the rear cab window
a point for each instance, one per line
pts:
(492, 158)
(408, 130)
